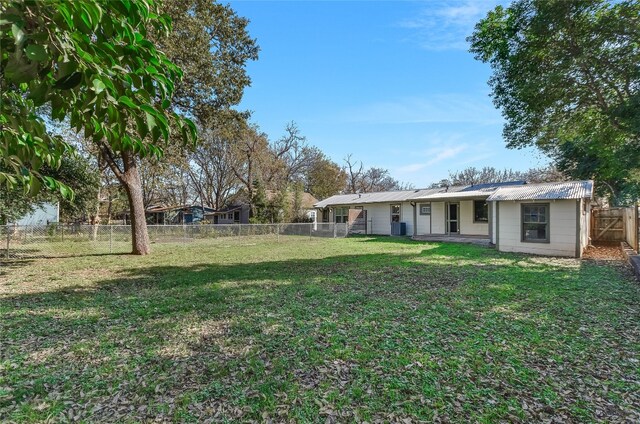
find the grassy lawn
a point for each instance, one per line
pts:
(344, 330)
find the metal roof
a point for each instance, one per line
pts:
(462, 194)
(545, 191)
(382, 196)
(511, 190)
(362, 198)
(467, 192)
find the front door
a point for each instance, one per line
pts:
(453, 218)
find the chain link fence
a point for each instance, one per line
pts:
(56, 240)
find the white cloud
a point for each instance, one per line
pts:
(477, 158)
(434, 155)
(444, 25)
(441, 153)
(437, 108)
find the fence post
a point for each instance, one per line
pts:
(8, 240)
(62, 231)
(184, 235)
(335, 230)
(110, 238)
(310, 232)
(636, 214)
(278, 232)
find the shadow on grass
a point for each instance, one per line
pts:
(7, 266)
(273, 327)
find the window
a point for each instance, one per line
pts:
(325, 215)
(535, 223)
(480, 211)
(236, 217)
(342, 215)
(230, 216)
(395, 213)
(425, 209)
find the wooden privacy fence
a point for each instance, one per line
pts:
(631, 220)
(616, 225)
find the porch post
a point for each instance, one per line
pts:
(490, 217)
(415, 219)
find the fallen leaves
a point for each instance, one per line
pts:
(330, 331)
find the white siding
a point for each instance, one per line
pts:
(424, 221)
(467, 226)
(492, 205)
(379, 217)
(407, 216)
(45, 214)
(562, 229)
(437, 218)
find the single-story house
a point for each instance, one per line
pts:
(234, 214)
(546, 219)
(44, 214)
(176, 215)
(238, 211)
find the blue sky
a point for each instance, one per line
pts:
(391, 82)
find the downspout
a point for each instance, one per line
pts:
(415, 221)
(497, 229)
(578, 228)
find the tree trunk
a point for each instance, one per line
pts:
(129, 177)
(132, 183)
(95, 219)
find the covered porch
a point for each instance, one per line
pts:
(480, 240)
(453, 215)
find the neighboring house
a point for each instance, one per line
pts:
(174, 215)
(234, 214)
(307, 205)
(545, 219)
(239, 211)
(45, 214)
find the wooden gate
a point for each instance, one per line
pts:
(608, 225)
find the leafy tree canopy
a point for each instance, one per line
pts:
(75, 172)
(566, 74)
(91, 60)
(214, 62)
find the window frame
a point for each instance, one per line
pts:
(547, 207)
(392, 214)
(475, 215)
(424, 205)
(344, 216)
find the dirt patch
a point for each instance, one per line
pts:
(605, 252)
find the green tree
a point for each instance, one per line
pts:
(325, 178)
(213, 81)
(296, 204)
(92, 61)
(566, 76)
(210, 43)
(258, 200)
(77, 173)
(14, 203)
